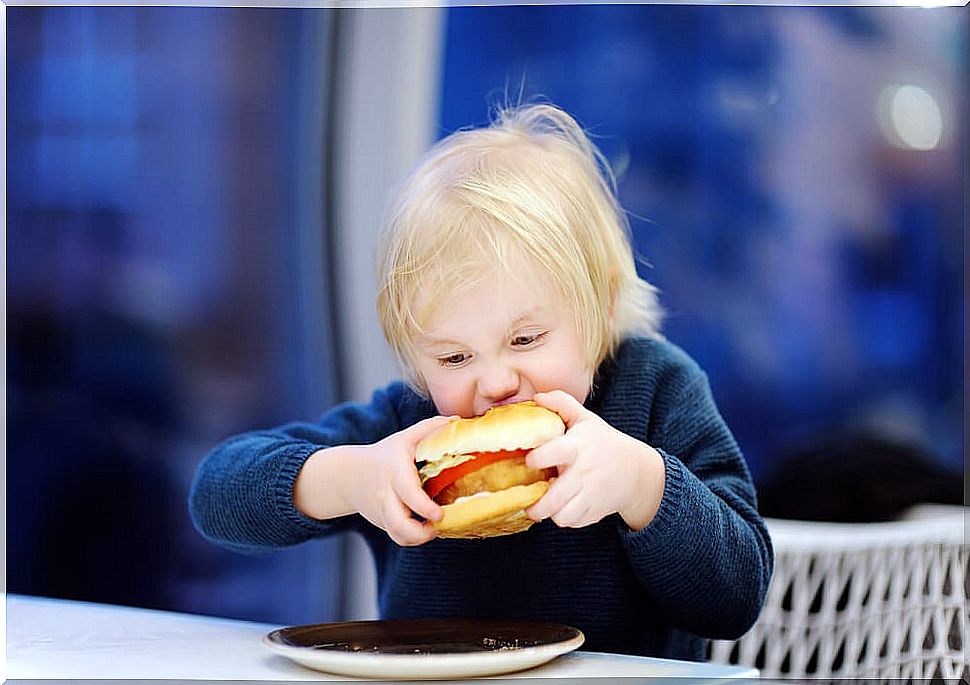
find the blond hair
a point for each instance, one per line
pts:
(530, 184)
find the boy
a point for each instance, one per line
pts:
(506, 274)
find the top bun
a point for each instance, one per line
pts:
(523, 425)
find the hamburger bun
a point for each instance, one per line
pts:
(490, 487)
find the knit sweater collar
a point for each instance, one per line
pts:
(622, 388)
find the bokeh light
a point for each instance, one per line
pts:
(910, 117)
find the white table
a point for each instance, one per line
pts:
(58, 639)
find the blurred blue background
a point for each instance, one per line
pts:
(794, 177)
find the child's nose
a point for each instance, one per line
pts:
(498, 382)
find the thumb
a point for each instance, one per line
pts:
(564, 404)
(423, 429)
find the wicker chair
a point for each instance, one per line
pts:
(864, 600)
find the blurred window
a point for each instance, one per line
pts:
(804, 230)
(166, 288)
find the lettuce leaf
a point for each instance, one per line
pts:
(433, 468)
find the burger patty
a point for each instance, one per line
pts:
(492, 478)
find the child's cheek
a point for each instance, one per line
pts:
(451, 398)
(564, 373)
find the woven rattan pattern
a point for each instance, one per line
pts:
(874, 600)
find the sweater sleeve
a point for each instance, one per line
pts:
(706, 557)
(242, 494)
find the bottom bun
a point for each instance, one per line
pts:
(486, 516)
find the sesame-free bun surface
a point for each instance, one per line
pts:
(491, 515)
(510, 427)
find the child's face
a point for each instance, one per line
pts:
(502, 340)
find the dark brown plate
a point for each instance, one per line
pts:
(424, 648)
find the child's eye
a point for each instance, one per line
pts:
(526, 340)
(453, 360)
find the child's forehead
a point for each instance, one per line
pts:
(515, 291)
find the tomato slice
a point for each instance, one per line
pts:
(434, 486)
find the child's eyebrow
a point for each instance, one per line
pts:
(438, 342)
(527, 316)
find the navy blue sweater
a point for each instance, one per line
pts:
(699, 570)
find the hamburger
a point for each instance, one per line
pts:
(475, 469)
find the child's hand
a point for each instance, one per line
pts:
(388, 489)
(601, 470)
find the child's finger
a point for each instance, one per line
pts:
(422, 429)
(559, 452)
(564, 404)
(403, 529)
(408, 488)
(561, 491)
(574, 514)
(411, 533)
